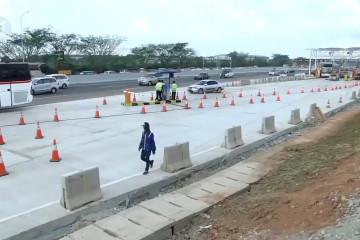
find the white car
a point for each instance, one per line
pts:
(62, 79)
(226, 73)
(206, 86)
(150, 79)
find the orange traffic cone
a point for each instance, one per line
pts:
(217, 103)
(263, 98)
(303, 90)
(274, 93)
(325, 89)
(2, 141)
(278, 97)
(38, 132)
(177, 96)
(187, 105)
(97, 113)
(143, 110)
(336, 87)
(232, 101)
(201, 105)
(164, 109)
(56, 116)
(345, 86)
(184, 97)
(340, 101)
(3, 171)
(288, 91)
(104, 101)
(152, 97)
(312, 89)
(55, 153)
(134, 98)
(22, 119)
(204, 97)
(251, 99)
(224, 94)
(319, 89)
(259, 93)
(332, 88)
(328, 104)
(241, 94)
(340, 87)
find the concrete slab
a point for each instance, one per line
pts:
(244, 178)
(146, 218)
(66, 238)
(166, 209)
(91, 232)
(222, 180)
(123, 228)
(245, 169)
(184, 201)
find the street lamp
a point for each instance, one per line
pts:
(22, 41)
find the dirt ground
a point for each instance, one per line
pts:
(313, 178)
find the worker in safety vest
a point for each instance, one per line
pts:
(174, 90)
(158, 88)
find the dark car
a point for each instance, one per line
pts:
(357, 76)
(202, 76)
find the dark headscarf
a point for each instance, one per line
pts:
(146, 127)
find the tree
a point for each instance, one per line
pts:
(98, 45)
(280, 60)
(69, 43)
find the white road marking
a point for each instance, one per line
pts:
(52, 96)
(102, 186)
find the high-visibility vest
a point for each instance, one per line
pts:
(174, 87)
(158, 86)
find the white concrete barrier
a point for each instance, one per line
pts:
(353, 96)
(233, 137)
(268, 125)
(80, 187)
(176, 157)
(311, 110)
(295, 117)
(358, 95)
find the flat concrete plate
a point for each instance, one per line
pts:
(91, 232)
(184, 201)
(123, 227)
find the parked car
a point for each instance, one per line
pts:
(44, 85)
(205, 86)
(62, 79)
(334, 77)
(87, 73)
(226, 73)
(109, 72)
(149, 79)
(202, 76)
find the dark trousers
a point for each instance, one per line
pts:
(158, 95)
(145, 155)
(173, 95)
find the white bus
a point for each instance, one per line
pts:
(15, 85)
(328, 68)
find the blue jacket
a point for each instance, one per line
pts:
(147, 141)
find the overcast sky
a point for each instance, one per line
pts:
(211, 27)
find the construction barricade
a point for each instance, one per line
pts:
(295, 117)
(80, 187)
(268, 125)
(176, 157)
(233, 137)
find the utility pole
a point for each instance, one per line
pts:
(22, 40)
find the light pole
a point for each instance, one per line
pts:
(22, 40)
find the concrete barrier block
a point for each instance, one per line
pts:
(295, 117)
(311, 110)
(233, 137)
(176, 157)
(80, 187)
(268, 125)
(353, 96)
(358, 95)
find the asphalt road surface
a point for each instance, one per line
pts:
(80, 90)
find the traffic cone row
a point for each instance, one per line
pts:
(134, 98)
(241, 94)
(224, 94)
(201, 105)
(104, 101)
(263, 98)
(22, 119)
(164, 109)
(184, 97)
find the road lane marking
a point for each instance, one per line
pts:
(102, 186)
(52, 97)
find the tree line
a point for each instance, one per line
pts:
(102, 53)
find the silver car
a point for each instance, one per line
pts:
(44, 84)
(206, 86)
(62, 79)
(149, 79)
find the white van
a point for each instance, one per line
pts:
(62, 79)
